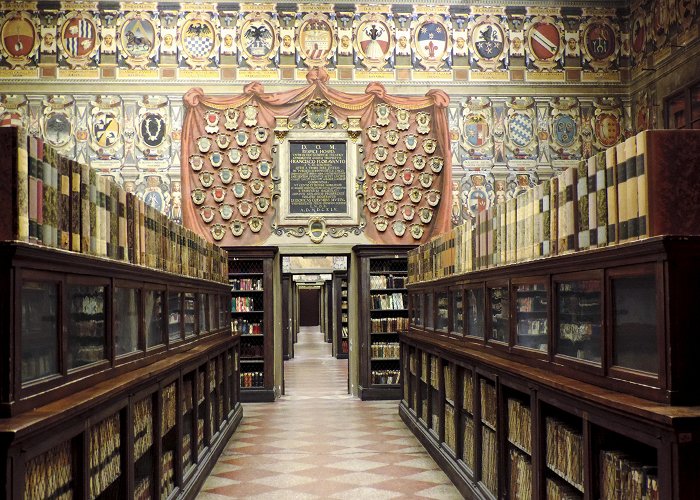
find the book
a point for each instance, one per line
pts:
(114, 233)
(511, 230)
(123, 248)
(554, 216)
(33, 201)
(566, 212)
(64, 174)
(94, 208)
(631, 188)
(621, 188)
(85, 234)
(611, 187)
(14, 186)
(75, 206)
(49, 235)
(585, 187)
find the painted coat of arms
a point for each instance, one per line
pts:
(489, 42)
(139, 38)
(520, 128)
(316, 40)
(431, 41)
(544, 39)
(57, 121)
(258, 39)
(20, 39)
(105, 126)
(153, 126)
(600, 46)
(565, 127)
(199, 39)
(78, 39)
(476, 193)
(374, 41)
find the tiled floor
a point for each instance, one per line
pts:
(319, 442)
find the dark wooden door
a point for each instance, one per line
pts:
(309, 307)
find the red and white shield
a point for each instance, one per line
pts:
(79, 36)
(545, 41)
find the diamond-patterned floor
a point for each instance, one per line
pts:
(319, 442)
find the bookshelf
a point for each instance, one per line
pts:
(342, 332)
(250, 278)
(98, 399)
(383, 315)
(585, 392)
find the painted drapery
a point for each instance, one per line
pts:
(228, 194)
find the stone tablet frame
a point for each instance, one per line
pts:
(351, 216)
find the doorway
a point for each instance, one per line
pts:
(310, 306)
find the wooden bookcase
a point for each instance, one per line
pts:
(342, 333)
(383, 312)
(250, 277)
(560, 377)
(100, 371)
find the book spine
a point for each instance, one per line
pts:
(546, 206)
(74, 206)
(123, 237)
(40, 191)
(567, 212)
(56, 184)
(94, 207)
(520, 213)
(483, 239)
(114, 234)
(554, 215)
(64, 203)
(104, 217)
(490, 237)
(503, 229)
(611, 188)
(142, 231)
(129, 210)
(33, 202)
(601, 200)
(631, 188)
(85, 208)
(48, 234)
(621, 178)
(14, 196)
(642, 198)
(582, 206)
(592, 212)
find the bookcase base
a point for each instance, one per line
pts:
(257, 396)
(191, 489)
(342, 355)
(466, 487)
(377, 394)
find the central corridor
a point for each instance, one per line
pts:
(319, 442)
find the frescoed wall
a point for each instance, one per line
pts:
(532, 88)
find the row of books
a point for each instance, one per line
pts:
(435, 372)
(105, 460)
(557, 490)
(169, 414)
(187, 396)
(488, 402)
(142, 489)
(246, 284)
(344, 332)
(243, 304)
(381, 281)
(50, 474)
(383, 325)
(449, 375)
(385, 349)
(425, 363)
(200, 387)
(564, 451)
(167, 473)
(386, 377)
(143, 427)
(58, 202)
(187, 451)
(468, 442)
(450, 437)
(520, 425)
(468, 394)
(489, 460)
(622, 477)
(628, 192)
(345, 346)
(394, 301)
(39, 365)
(246, 327)
(520, 485)
(252, 350)
(252, 379)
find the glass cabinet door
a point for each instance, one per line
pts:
(499, 307)
(202, 312)
(443, 311)
(154, 315)
(87, 333)
(39, 330)
(475, 312)
(457, 304)
(174, 316)
(126, 319)
(531, 313)
(579, 316)
(634, 323)
(189, 314)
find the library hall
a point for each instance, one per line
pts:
(349, 250)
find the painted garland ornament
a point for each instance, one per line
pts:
(152, 129)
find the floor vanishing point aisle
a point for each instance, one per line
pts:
(319, 442)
